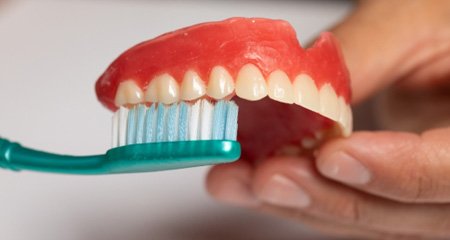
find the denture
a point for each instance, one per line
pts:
(288, 96)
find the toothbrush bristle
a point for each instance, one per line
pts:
(202, 120)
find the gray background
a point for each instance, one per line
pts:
(51, 53)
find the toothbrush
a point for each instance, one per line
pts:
(175, 100)
(154, 155)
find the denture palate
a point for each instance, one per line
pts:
(252, 58)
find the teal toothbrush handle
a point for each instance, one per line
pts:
(126, 159)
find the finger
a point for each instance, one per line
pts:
(401, 166)
(231, 184)
(284, 183)
(382, 50)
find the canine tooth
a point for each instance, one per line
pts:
(280, 87)
(306, 93)
(328, 102)
(220, 83)
(128, 92)
(192, 86)
(250, 83)
(164, 89)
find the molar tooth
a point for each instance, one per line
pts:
(128, 92)
(164, 89)
(192, 86)
(328, 102)
(306, 93)
(250, 83)
(280, 87)
(220, 84)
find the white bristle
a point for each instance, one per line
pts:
(115, 129)
(202, 120)
(206, 113)
(123, 120)
(194, 121)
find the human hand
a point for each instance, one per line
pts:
(372, 184)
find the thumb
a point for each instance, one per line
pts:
(385, 41)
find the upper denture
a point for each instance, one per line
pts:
(230, 50)
(248, 57)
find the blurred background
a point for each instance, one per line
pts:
(51, 53)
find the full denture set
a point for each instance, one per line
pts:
(251, 58)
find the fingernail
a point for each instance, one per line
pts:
(344, 168)
(235, 192)
(282, 191)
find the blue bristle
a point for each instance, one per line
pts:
(131, 126)
(219, 118)
(183, 122)
(150, 124)
(171, 120)
(231, 123)
(161, 124)
(140, 118)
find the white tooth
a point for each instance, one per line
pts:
(349, 123)
(128, 92)
(329, 106)
(342, 113)
(168, 91)
(220, 84)
(306, 93)
(345, 116)
(192, 86)
(163, 88)
(280, 87)
(250, 83)
(151, 94)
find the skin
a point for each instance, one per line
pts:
(373, 184)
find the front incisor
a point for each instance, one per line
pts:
(163, 88)
(250, 83)
(192, 86)
(220, 84)
(128, 92)
(306, 93)
(280, 87)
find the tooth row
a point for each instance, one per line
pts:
(250, 84)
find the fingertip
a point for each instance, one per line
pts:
(277, 182)
(342, 161)
(231, 184)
